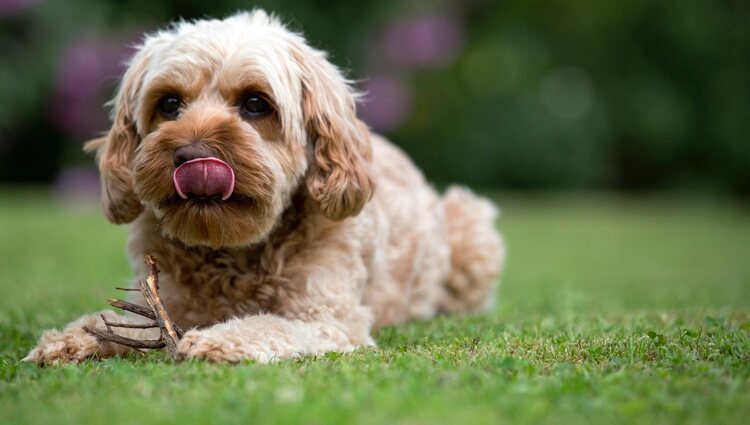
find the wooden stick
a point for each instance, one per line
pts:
(133, 308)
(109, 329)
(117, 339)
(170, 332)
(130, 325)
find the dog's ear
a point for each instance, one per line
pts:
(115, 151)
(340, 180)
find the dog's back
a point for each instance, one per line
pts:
(441, 254)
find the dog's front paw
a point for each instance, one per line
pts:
(70, 345)
(222, 347)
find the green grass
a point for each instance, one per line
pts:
(612, 310)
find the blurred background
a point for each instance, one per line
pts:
(629, 95)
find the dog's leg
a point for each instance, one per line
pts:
(319, 298)
(74, 344)
(267, 338)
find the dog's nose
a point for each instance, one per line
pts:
(192, 151)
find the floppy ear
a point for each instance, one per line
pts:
(340, 180)
(115, 151)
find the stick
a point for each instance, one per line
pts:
(133, 308)
(133, 343)
(129, 325)
(170, 332)
(109, 329)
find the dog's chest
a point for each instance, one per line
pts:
(203, 288)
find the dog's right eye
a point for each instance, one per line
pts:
(254, 105)
(169, 106)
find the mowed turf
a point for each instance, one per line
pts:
(612, 310)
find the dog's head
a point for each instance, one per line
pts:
(217, 124)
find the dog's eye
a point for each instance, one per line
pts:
(169, 106)
(254, 105)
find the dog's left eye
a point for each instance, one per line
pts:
(254, 105)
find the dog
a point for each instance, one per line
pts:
(283, 226)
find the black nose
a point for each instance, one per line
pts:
(192, 151)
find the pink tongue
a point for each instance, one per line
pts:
(204, 177)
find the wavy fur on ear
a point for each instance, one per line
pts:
(340, 179)
(115, 151)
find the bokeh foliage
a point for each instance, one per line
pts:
(538, 93)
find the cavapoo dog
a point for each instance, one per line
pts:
(282, 225)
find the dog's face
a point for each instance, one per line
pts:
(217, 124)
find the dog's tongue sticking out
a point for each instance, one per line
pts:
(204, 177)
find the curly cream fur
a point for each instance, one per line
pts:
(331, 233)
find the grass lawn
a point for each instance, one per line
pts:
(612, 310)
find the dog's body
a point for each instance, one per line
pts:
(301, 255)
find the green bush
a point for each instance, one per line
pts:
(543, 93)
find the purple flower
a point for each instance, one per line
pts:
(387, 103)
(87, 71)
(14, 7)
(428, 41)
(77, 187)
